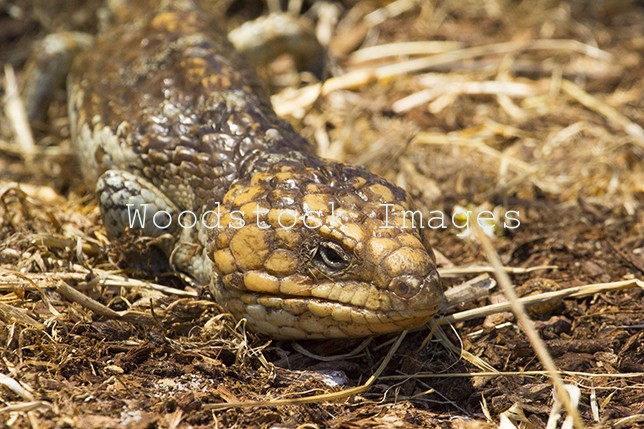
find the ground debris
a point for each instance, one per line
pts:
(529, 106)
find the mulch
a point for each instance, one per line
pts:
(534, 107)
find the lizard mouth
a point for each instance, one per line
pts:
(285, 316)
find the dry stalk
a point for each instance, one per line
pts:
(422, 47)
(490, 87)
(449, 272)
(513, 374)
(541, 298)
(429, 138)
(17, 115)
(527, 326)
(293, 102)
(609, 112)
(24, 407)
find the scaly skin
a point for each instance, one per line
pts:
(164, 112)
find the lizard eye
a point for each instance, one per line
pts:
(330, 257)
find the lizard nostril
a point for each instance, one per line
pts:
(405, 286)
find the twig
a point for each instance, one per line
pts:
(75, 296)
(135, 317)
(528, 328)
(17, 314)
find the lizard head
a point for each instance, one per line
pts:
(324, 252)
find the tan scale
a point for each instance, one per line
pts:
(288, 238)
(296, 284)
(225, 261)
(353, 232)
(409, 240)
(247, 195)
(317, 203)
(250, 247)
(319, 309)
(378, 248)
(222, 241)
(398, 261)
(382, 191)
(281, 262)
(254, 211)
(284, 218)
(260, 281)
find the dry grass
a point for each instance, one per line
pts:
(483, 105)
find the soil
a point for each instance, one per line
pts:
(550, 127)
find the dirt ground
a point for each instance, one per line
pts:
(544, 118)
